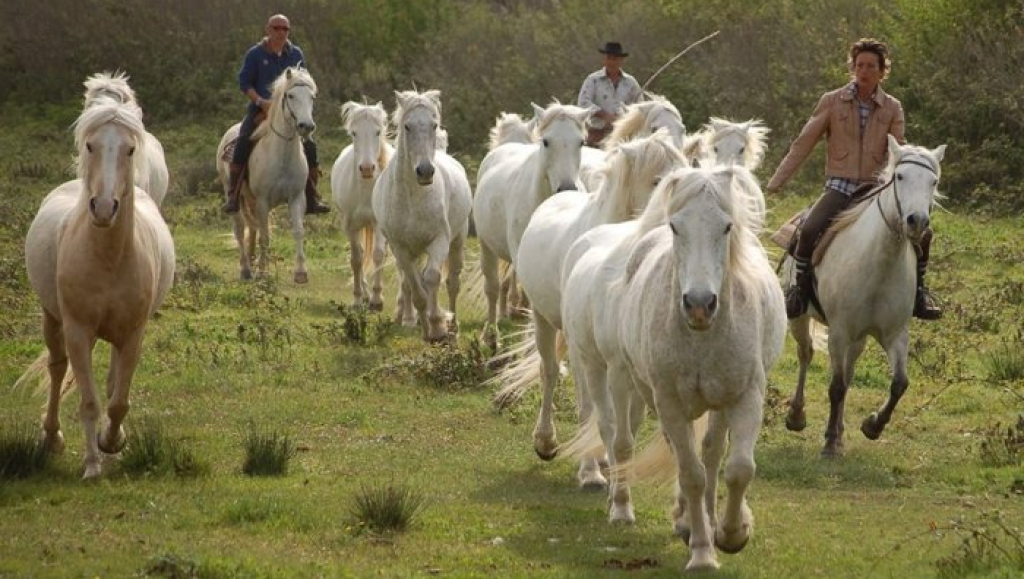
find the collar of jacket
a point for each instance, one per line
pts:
(851, 89)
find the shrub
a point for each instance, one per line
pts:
(21, 454)
(267, 453)
(383, 509)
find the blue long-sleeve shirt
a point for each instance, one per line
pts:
(261, 67)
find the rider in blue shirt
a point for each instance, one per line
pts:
(263, 63)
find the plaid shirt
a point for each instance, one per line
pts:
(848, 186)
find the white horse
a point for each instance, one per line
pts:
(422, 202)
(640, 120)
(352, 179)
(154, 177)
(513, 179)
(723, 142)
(277, 171)
(696, 322)
(632, 171)
(510, 128)
(866, 286)
(101, 259)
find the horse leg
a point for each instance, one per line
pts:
(298, 210)
(589, 473)
(454, 283)
(897, 352)
(843, 357)
(712, 451)
(53, 335)
(505, 292)
(489, 266)
(245, 249)
(436, 325)
(79, 346)
(692, 476)
(123, 361)
(376, 238)
(356, 257)
(264, 231)
(796, 419)
(545, 441)
(737, 523)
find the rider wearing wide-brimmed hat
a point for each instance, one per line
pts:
(609, 90)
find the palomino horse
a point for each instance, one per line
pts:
(630, 175)
(866, 286)
(154, 177)
(422, 202)
(513, 180)
(352, 179)
(277, 171)
(695, 322)
(101, 259)
(640, 120)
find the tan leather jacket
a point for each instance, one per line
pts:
(849, 156)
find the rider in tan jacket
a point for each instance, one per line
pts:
(855, 120)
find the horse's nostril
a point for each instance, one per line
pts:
(713, 304)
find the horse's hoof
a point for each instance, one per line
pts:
(301, 277)
(546, 453)
(621, 514)
(518, 314)
(245, 275)
(112, 446)
(53, 443)
(702, 559)
(871, 428)
(376, 307)
(796, 420)
(831, 451)
(92, 470)
(732, 545)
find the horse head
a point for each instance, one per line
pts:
(914, 173)
(510, 128)
(291, 104)
(418, 118)
(737, 143)
(712, 230)
(109, 136)
(561, 130)
(635, 168)
(367, 125)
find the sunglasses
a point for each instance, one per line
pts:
(285, 28)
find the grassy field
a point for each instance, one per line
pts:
(226, 356)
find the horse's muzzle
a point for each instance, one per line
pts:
(366, 171)
(424, 173)
(700, 309)
(103, 211)
(305, 129)
(917, 224)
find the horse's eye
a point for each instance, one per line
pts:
(716, 150)
(377, 134)
(406, 127)
(582, 142)
(434, 127)
(672, 226)
(742, 149)
(545, 141)
(899, 177)
(728, 228)
(88, 147)
(131, 151)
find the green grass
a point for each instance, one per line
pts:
(360, 401)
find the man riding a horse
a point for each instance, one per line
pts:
(856, 120)
(263, 63)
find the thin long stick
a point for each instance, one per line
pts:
(677, 57)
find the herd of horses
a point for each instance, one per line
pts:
(641, 260)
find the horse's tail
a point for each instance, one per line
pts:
(475, 298)
(586, 442)
(521, 368)
(656, 462)
(37, 371)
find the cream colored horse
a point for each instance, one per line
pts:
(101, 259)
(154, 177)
(422, 203)
(632, 171)
(277, 171)
(680, 310)
(353, 176)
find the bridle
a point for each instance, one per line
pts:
(894, 228)
(287, 108)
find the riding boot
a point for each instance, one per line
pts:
(799, 294)
(925, 307)
(313, 204)
(234, 186)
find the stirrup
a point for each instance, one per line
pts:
(924, 306)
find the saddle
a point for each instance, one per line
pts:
(788, 234)
(229, 148)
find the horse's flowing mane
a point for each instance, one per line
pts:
(292, 76)
(113, 85)
(624, 165)
(510, 128)
(107, 110)
(638, 115)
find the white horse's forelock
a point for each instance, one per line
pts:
(108, 110)
(410, 99)
(753, 131)
(112, 84)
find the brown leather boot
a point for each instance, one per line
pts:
(234, 186)
(313, 204)
(799, 294)
(925, 307)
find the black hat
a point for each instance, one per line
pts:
(612, 49)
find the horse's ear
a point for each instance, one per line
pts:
(894, 145)
(939, 152)
(288, 73)
(538, 111)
